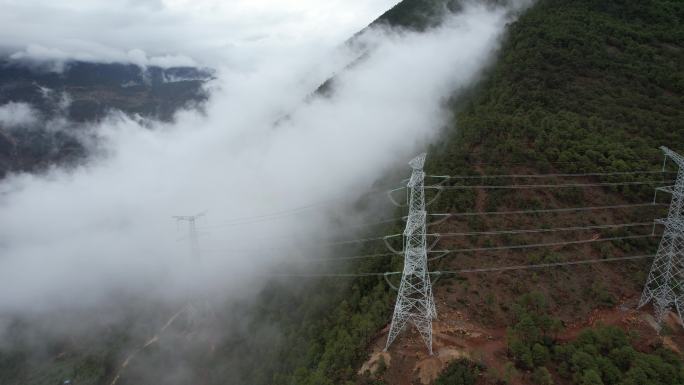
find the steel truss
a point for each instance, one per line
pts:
(665, 285)
(415, 303)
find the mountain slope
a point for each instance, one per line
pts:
(561, 98)
(586, 85)
(418, 14)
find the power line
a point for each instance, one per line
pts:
(359, 240)
(543, 265)
(323, 259)
(268, 217)
(545, 175)
(471, 233)
(287, 212)
(569, 209)
(380, 222)
(501, 232)
(502, 164)
(467, 214)
(534, 245)
(365, 256)
(465, 234)
(498, 232)
(540, 186)
(302, 209)
(465, 271)
(534, 211)
(542, 230)
(231, 224)
(323, 240)
(345, 275)
(450, 251)
(379, 255)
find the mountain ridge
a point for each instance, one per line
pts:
(82, 94)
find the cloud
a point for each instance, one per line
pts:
(171, 32)
(91, 251)
(75, 237)
(17, 114)
(39, 53)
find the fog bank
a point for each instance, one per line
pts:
(73, 238)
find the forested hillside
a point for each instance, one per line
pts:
(582, 86)
(578, 86)
(598, 83)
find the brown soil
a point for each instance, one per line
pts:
(455, 336)
(474, 309)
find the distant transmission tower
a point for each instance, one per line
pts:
(415, 303)
(192, 232)
(199, 310)
(665, 285)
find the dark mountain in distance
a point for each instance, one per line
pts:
(95, 88)
(82, 93)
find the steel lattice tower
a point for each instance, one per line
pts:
(192, 232)
(415, 303)
(198, 310)
(665, 285)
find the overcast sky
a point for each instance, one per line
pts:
(176, 32)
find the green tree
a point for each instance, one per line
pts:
(540, 355)
(590, 377)
(527, 330)
(461, 372)
(509, 372)
(541, 376)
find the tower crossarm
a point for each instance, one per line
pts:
(418, 162)
(674, 156)
(666, 189)
(673, 224)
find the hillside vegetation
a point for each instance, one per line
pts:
(583, 85)
(599, 83)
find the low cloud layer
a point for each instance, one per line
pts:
(73, 238)
(35, 53)
(17, 114)
(175, 32)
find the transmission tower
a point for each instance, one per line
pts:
(415, 303)
(665, 285)
(199, 309)
(192, 232)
